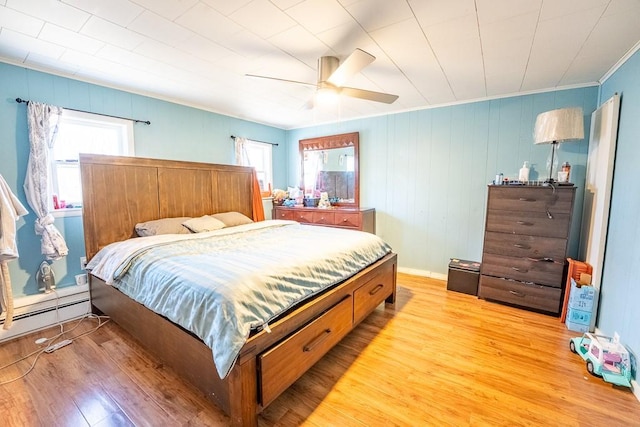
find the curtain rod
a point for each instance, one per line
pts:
(255, 140)
(146, 122)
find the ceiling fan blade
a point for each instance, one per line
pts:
(281, 80)
(351, 66)
(387, 98)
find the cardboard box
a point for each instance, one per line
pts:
(581, 297)
(581, 307)
(463, 276)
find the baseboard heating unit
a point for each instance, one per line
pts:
(35, 312)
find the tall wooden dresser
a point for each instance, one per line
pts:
(525, 245)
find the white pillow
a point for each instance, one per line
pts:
(204, 223)
(231, 219)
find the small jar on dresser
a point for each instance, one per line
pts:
(363, 219)
(525, 245)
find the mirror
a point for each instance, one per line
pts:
(330, 163)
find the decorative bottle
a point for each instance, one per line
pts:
(523, 176)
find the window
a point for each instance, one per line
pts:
(258, 155)
(84, 133)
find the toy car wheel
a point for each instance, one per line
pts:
(572, 346)
(590, 368)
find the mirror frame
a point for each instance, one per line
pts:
(334, 141)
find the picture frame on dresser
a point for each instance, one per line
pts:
(525, 246)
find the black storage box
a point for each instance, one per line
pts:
(463, 276)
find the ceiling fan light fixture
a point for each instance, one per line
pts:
(327, 96)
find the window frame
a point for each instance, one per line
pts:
(267, 156)
(125, 148)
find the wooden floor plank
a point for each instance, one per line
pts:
(436, 358)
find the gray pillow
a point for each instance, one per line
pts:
(162, 226)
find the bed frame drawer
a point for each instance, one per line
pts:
(371, 294)
(286, 362)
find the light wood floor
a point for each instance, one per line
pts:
(437, 358)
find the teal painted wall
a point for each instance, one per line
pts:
(176, 132)
(620, 288)
(426, 171)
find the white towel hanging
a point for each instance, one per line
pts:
(10, 210)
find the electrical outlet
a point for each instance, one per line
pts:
(83, 263)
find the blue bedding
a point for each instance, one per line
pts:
(220, 285)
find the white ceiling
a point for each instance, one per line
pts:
(429, 52)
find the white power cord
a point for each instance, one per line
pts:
(52, 346)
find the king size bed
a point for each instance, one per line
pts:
(291, 292)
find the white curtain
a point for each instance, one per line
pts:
(242, 158)
(43, 126)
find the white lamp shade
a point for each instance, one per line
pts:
(560, 125)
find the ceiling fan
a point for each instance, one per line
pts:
(332, 75)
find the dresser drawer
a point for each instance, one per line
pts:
(531, 223)
(519, 245)
(523, 269)
(528, 199)
(324, 217)
(372, 293)
(351, 220)
(283, 214)
(538, 297)
(305, 217)
(282, 365)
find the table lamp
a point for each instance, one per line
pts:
(557, 126)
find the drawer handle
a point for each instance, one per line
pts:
(317, 340)
(524, 199)
(520, 270)
(516, 293)
(344, 220)
(376, 289)
(525, 223)
(544, 260)
(521, 246)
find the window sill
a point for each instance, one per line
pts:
(63, 213)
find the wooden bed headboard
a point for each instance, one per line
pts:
(119, 192)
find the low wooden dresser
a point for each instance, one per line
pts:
(363, 219)
(525, 245)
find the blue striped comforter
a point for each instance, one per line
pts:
(220, 285)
